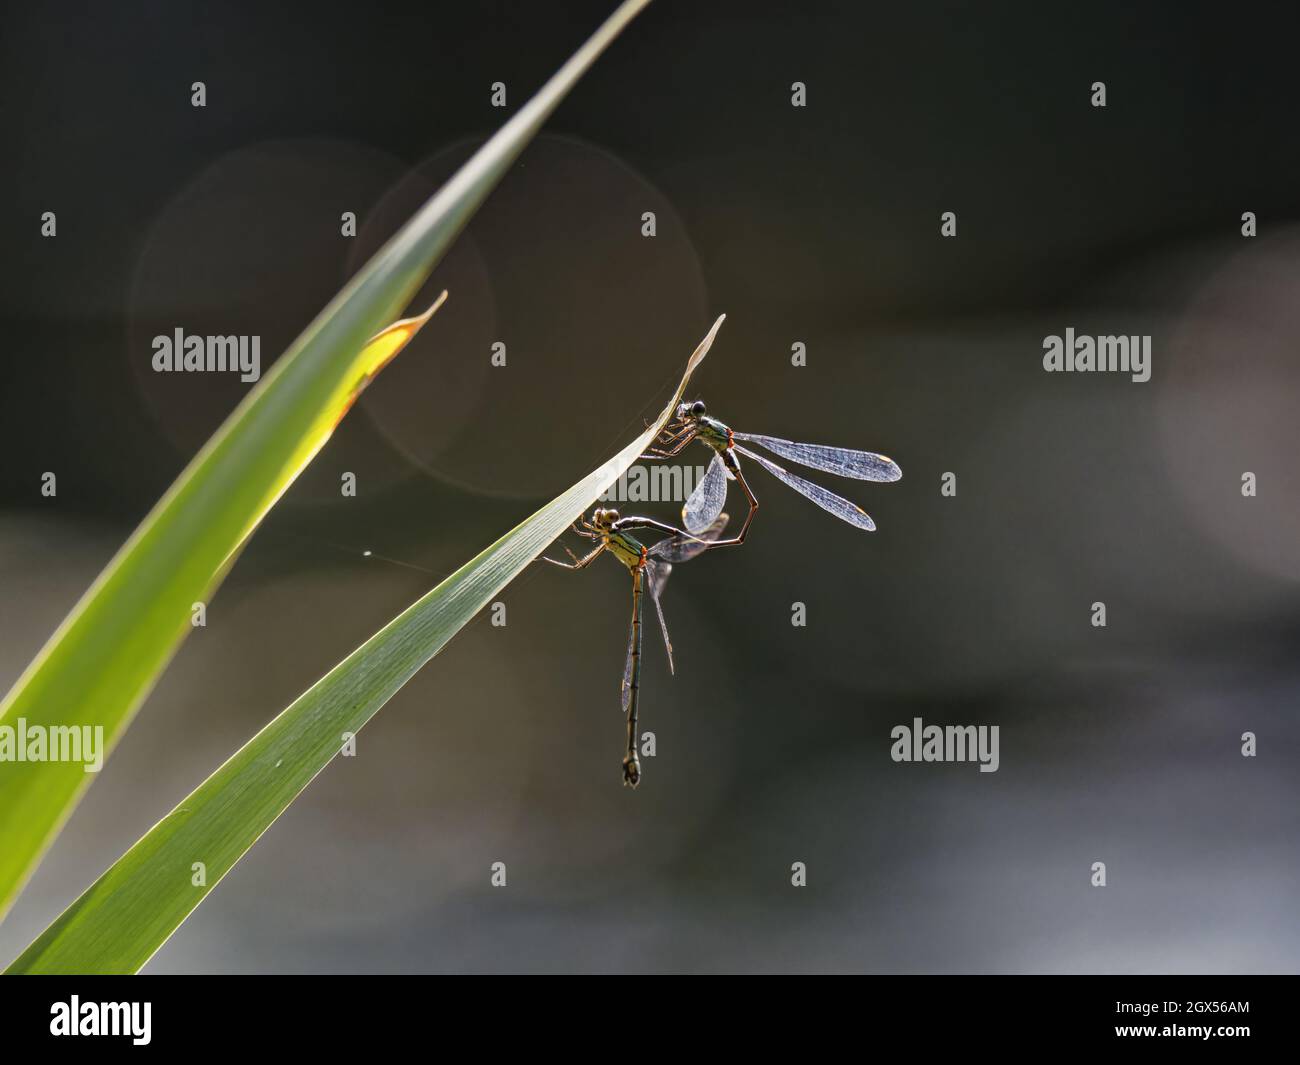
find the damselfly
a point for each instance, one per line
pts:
(702, 507)
(650, 567)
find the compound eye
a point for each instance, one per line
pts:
(697, 408)
(611, 516)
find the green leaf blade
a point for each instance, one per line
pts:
(105, 658)
(129, 912)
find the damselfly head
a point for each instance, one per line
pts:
(603, 518)
(687, 412)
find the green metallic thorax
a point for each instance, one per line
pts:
(626, 549)
(713, 432)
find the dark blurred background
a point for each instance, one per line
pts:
(818, 225)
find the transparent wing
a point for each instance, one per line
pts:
(656, 577)
(706, 502)
(860, 465)
(659, 566)
(684, 548)
(828, 501)
(627, 671)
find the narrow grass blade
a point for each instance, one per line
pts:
(130, 911)
(102, 657)
(105, 657)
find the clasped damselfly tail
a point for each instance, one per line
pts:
(650, 568)
(692, 422)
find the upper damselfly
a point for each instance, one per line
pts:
(692, 422)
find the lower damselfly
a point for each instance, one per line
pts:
(650, 568)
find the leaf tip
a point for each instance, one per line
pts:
(705, 344)
(433, 307)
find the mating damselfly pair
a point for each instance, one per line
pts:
(704, 523)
